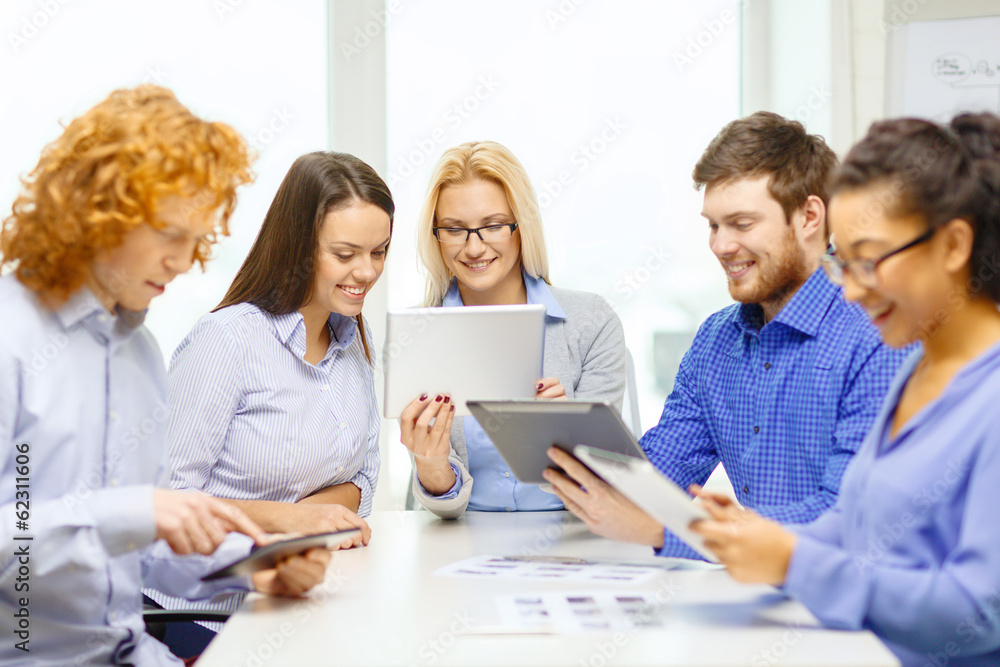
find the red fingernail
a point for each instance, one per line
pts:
(452, 407)
(447, 399)
(438, 399)
(423, 397)
(539, 386)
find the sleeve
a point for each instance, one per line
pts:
(827, 528)
(367, 477)
(204, 392)
(80, 533)
(860, 403)
(180, 576)
(951, 605)
(452, 504)
(602, 377)
(680, 445)
(80, 529)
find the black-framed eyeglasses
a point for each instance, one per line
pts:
(864, 270)
(489, 234)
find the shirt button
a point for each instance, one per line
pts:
(756, 429)
(112, 415)
(114, 482)
(506, 474)
(102, 318)
(325, 387)
(113, 616)
(340, 469)
(343, 425)
(767, 366)
(746, 489)
(506, 509)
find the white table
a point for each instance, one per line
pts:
(380, 605)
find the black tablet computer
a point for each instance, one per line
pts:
(264, 558)
(523, 430)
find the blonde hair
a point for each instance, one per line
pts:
(488, 161)
(104, 177)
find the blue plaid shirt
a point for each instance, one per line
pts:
(783, 405)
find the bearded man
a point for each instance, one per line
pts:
(780, 387)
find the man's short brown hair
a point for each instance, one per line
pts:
(799, 163)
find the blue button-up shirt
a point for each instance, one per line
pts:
(82, 441)
(496, 487)
(783, 405)
(911, 550)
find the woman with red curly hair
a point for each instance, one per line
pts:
(130, 196)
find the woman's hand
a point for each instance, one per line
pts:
(753, 549)
(430, 443)
(309, 518)
(550, 389)
(293, 576)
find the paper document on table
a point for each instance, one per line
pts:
(565, 612)
(545, 568)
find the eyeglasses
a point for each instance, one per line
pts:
(863, 270)
(487, 234)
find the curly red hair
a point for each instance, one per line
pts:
(104, 177)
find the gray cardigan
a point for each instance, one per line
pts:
(586, 351)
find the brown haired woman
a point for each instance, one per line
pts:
(272, 394)
(127, 198)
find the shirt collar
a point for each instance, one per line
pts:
(804, 312)
(288, 327)
(84, 307)
(537, 289)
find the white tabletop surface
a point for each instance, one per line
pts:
(381, 605)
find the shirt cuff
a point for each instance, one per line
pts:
(365, 487)
(450, 493)
(675, 547)
(125, 517)
(828, 583)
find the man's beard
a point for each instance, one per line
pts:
(783, 273)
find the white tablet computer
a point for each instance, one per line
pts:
(640, 481)
(471, 352)
(524, 430)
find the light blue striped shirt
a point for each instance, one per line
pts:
(252, 420)
(83, 427)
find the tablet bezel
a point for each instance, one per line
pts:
(467, 352)
(520, 430)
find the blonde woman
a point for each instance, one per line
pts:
(481, 241)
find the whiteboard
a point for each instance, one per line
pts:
(939, 68)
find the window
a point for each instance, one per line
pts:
(608, 106)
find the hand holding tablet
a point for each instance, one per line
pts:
(640, 481)
(267, 557)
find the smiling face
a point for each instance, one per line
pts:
(149, 257)
(487, 273)
(353, 242)
(912, 289)
(764, 259)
